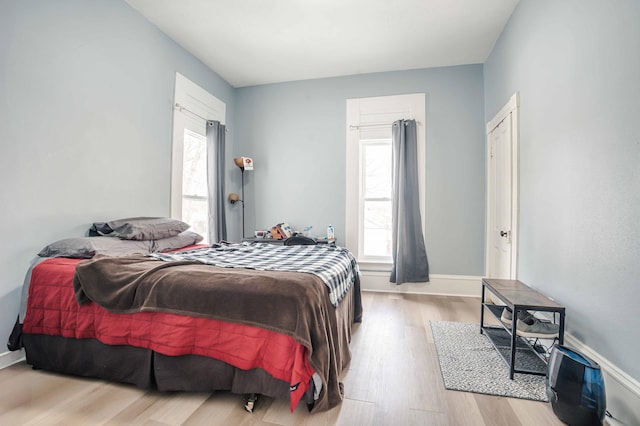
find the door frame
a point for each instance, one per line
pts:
(511, 108)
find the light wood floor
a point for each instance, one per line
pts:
(393, 379)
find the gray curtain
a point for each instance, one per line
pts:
(215, 181)
(408, 250)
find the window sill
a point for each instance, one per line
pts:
(369, 266)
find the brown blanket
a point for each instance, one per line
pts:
(295, 304)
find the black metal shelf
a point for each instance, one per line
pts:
(517, 350)
(527, 359)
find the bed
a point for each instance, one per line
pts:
(192, 320)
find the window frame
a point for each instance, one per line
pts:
(371, 118)
(192, 107)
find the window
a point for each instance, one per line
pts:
(194, 182)
(375, 162)
(369, 172)
(189, 193)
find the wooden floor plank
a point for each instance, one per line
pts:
(462, 409)
(138, 412)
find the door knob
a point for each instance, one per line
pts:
(504, 233)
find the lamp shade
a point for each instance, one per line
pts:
(233, 198)
(244, 163)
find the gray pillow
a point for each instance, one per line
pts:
(87, 247)
(139, 228)
(183, 239)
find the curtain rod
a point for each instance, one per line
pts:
(359, 126)
(181, 108)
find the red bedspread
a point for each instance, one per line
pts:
(53, 310)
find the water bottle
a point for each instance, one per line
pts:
(331, 234)
(308, 230)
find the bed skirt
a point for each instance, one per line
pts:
(147, 369)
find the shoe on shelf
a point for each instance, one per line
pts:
(530, 326)
(507, 316)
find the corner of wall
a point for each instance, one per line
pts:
(9, 358)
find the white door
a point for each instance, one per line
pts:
(502, 193)
(500, 208)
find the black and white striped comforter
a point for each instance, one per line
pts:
(335, 266)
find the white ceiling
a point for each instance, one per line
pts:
(251, 42)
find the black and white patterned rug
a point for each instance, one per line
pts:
(470, 363)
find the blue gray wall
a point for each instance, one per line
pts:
(296, 134)
(86, 93)
(576, 65)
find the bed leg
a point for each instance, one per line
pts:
(250, 402)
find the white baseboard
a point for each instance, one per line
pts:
(623, 391)
(10, 358)
(444, 285)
